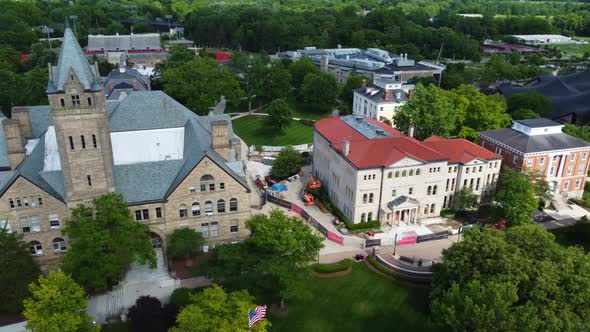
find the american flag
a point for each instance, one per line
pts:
(256, 315)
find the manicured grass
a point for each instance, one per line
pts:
(577, 49)
(360, 301)
(254, 130)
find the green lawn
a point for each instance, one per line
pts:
(360, 301)
(577, 49)
(254, 130)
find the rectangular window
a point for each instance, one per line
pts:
(138, 215)
(448, 183)
(480, 168)
(35, 225)
(146, 214)
(555, 158)
(89, 180)
(83, 141)
(193, 189)
(183, 212)
(529, 162)
(5, 225)
(71, 139)
(24, 224)
(471, 184)
(205, 230)
(393, 193)
(542, 161)
(94, 141)
(75, 100)
(465, 183)
(411, 191)
(203, 188)
(572, 157)
(211, 186)
(581, 169)
(215, 229)
(477, 184)
(566, 186)
(498, 151)
(18, 203)
(158, 212)
(584, 155)
(40, 200)
(11, 203)
(233, 228)
(515, 160)
(26, 202)
(453, 185)
(552, 170)
(53, 220)
(467, 170)
(221, 186)
(578, 182)
(570, 170)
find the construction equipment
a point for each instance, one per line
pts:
(313, 183)
(308, 199)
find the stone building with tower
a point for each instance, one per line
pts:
(174, 168)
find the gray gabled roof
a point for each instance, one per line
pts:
(537, 143)
(538, 123)
(72, 59)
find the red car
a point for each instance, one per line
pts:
(500, 224)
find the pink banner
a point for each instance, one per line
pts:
(335, 238)
(407, 240)
(296, 208)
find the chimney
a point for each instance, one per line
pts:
(14, 142)
(387, 95)
(364, 84)
(346, 148)
(220, 138)
(411, 131)
(24, 121)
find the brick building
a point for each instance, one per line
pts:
(174, 168)
(539, 145)
(374, 172)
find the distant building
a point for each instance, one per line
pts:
(381, 100)
(569, 94)
(507, 48)
(143, 49)
(122, 81)
(372, 62)
(539, 145)
(178, 42)
(543, 39)
(372, 171)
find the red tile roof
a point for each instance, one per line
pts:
(385, 151)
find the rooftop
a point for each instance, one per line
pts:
(539, 123)
(524, 143)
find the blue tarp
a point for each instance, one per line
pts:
(279, 187)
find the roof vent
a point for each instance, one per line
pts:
(380, 131)
(358, 118)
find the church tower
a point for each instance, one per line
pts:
(77, 103)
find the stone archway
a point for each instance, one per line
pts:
(157, 241)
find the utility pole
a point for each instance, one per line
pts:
(74, 18)
(48, 30)
(168, 17)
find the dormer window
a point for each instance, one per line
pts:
(76, 100)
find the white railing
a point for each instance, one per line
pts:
(265, 149)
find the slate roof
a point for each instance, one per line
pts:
(538, 123)
(72, 58)
(137, 41)
(537, 143)
(128, 80)
(379, 97)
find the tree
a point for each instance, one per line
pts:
(180, 54)
(57, 304)
(18, 271)
(430, 110)
(518, 279)
(271, 260)
(276, 82)
(353, 82)
(479, 111)
(530, 100)
(523, 114)
(279, 114)
(514, 58)
(184, 242)
(300, 69)
(148, 315)
(320, 91)
(465, 199)
(287, 163)
(215, 310)
(200, 84)
(105, 239)
(516, 195)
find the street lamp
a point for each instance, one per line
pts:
(168, 17)
(74, 18)
(48, 30)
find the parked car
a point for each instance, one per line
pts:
(540, 216)
(500, 224)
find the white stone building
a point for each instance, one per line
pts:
(382, 99)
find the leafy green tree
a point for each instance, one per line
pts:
(105, 239)
(431, 111)
(353, 82)
(465, 199)
(184, 242)
(523, 114)
(479, 111)
(582, 132)
(271, 260)
(58, 304)
(148, 315)
(18, 271)
(514, 58)
(10, 82)
(279, 114)
(180, 54)
(516, 195)
(215, 310)
(200, 84)
(530, 100)
(276, 82)
(287, 163)
(300, 69)
(40, 56)
(320, 91)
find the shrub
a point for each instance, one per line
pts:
(309, 123)
(332, 268)
(448, 213)
(181, 296)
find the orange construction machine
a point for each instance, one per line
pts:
(308, 199)
(313, 183)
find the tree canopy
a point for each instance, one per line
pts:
(279, 114)
(58, 304)
(320, 91)
(105, 239)
(518, 279)
(184, 242)
(18, 271)
(516, 195)
(147, 315)
(465, 199)
(530, 100)
(287, 163)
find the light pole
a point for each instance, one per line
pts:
(74, 18)
(168, 17)
(48, 30)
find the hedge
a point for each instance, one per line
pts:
(448, 213)
(321, 195)
(331, 268)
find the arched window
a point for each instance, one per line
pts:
(434, 190)
(389, 175)
(59, 244)
(208, 208)
(221, 206)
(364, 198)
(207, 181)
(418, 171)
(35, 248)
(426, 210)
(371, 198)
(397, 174)
(233, 205)
(89, 101)
(363, 216)
(62, 102)
(432, 208)
(411, 172)
(403, 174)
(370, 216)
(183, 212)
(196, 209)
(429, 191)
